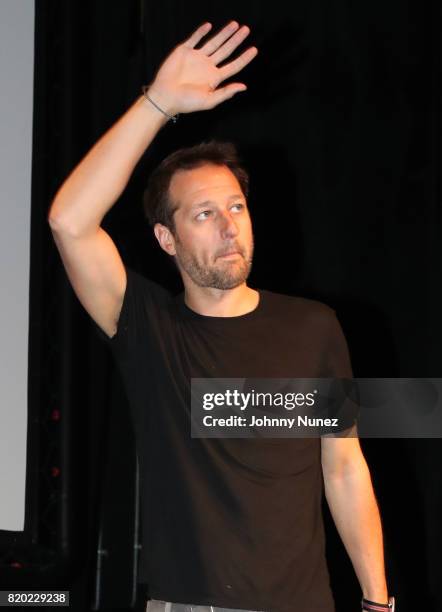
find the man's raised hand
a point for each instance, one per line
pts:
(188, 79)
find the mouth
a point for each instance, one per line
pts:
(230, 255)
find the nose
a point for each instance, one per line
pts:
(229, 228)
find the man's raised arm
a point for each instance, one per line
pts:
(188, 80)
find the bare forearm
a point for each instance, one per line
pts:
(98, 180)
(355, 512)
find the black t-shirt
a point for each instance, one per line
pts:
(230, 522)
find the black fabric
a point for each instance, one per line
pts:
(235, 523)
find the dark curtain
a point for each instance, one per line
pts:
(340, 131)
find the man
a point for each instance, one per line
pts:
(232, 523)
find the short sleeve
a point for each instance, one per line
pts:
(344, 391)
(337, 357)
(142, 302)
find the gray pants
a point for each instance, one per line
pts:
(155, 605)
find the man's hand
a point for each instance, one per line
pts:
(188, 78)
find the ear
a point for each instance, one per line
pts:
(165, 238)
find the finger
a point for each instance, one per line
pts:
(233, 67)
(194, 39)
(228, 47)
(225, 93)
(212, 45)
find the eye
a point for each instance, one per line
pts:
(238, 206)
(203, 215)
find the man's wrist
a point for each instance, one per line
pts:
(380, 596)
(376, 592)
(160, 99)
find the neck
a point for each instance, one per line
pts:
(221, 302)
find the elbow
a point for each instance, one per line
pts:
(60, 224)
(62, 228)
(54, 217)
(346, 472)
(57, 225)
(53, 222)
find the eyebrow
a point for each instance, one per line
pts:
(236, 196)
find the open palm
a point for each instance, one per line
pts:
(188, 78)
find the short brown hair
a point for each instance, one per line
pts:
(157, 205)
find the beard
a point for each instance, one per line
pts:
(221, 274)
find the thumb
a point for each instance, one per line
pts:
(225, 93)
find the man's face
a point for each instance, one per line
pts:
(213, 239)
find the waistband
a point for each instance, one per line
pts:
(155, 605)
